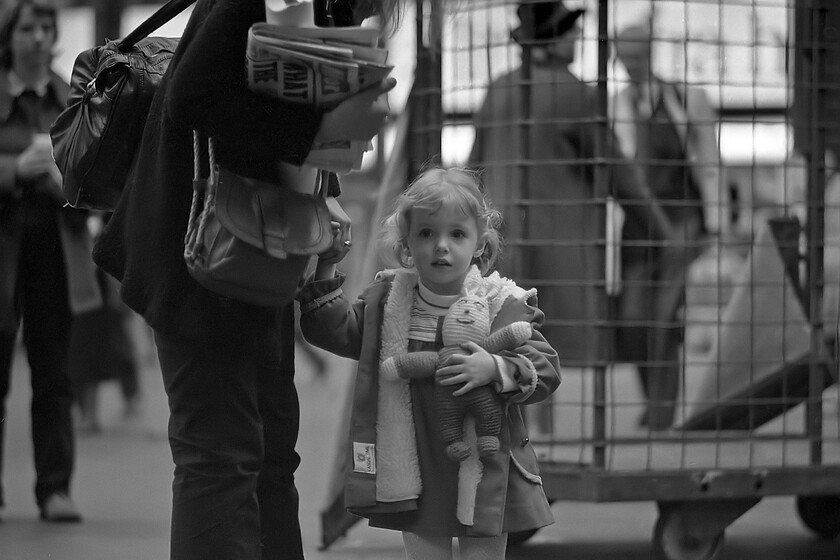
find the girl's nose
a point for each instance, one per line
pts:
(441, 246)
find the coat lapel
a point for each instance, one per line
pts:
(398, 465)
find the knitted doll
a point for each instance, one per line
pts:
(468, 320)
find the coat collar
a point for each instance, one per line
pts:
(494, 288)
(55, 88)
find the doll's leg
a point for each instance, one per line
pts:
(488, 419)
(483, 548)
(451, 411)
(418, 547)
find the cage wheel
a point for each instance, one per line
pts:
(673, 541)
(821, 514)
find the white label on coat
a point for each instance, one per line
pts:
(364, 457)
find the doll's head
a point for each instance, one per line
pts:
(468, 320)
(456, 192)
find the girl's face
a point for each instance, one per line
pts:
(443, 244)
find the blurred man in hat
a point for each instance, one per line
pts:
(536, 138)
(668, 130)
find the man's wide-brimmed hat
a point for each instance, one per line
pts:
(543, 21)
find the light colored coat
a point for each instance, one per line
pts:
(689, 110)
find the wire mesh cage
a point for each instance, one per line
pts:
(667, 171)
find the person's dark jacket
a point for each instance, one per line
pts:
(16, 134)
(205, 89)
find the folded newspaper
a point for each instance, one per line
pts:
(321, 66)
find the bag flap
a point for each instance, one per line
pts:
(276, 220)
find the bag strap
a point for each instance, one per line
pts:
(205, 186)
(164, 14)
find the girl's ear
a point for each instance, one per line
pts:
(407, 260)
(482, 246)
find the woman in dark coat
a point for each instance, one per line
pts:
(228, 367)
(46, 274)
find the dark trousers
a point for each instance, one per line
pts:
(652, 335)
(652, 330)
(43, 307)
(233, 427)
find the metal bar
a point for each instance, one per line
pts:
(580, 483)
(599, 385)
(815, 227)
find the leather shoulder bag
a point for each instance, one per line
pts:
(95, 139)
(250, 240)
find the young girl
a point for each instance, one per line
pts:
(444, 237)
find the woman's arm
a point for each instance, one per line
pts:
(209, 93)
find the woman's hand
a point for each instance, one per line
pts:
(473, 369)
(341, 243)
(359, 117)
(36, 162)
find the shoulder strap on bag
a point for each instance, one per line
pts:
(154, 21)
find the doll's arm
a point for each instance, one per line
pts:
(508, 337)
(414, 365)
(534, 365)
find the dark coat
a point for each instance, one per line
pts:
(555, 217)
(205, 89)
(510, 497)
(16, 134)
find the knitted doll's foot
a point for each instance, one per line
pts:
(487, 445)
(458, 451)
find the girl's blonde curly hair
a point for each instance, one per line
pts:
(431, 189)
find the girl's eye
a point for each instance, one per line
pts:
(458, 234)
(424, 233)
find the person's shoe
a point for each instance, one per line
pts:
(59, 508)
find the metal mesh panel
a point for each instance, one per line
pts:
(746, 282)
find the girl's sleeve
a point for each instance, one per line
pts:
(536, 363)
(328, 320)
(209, 93)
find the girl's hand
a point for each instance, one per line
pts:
(359, 117)
(474, 369)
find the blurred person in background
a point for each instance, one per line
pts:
(668, 131)
(46, 272)
(559, 229)
(102, 349)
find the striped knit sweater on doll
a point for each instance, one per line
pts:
(468, 320)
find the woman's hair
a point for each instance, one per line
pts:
(390, 13)
(432, 189)
(10, 19)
